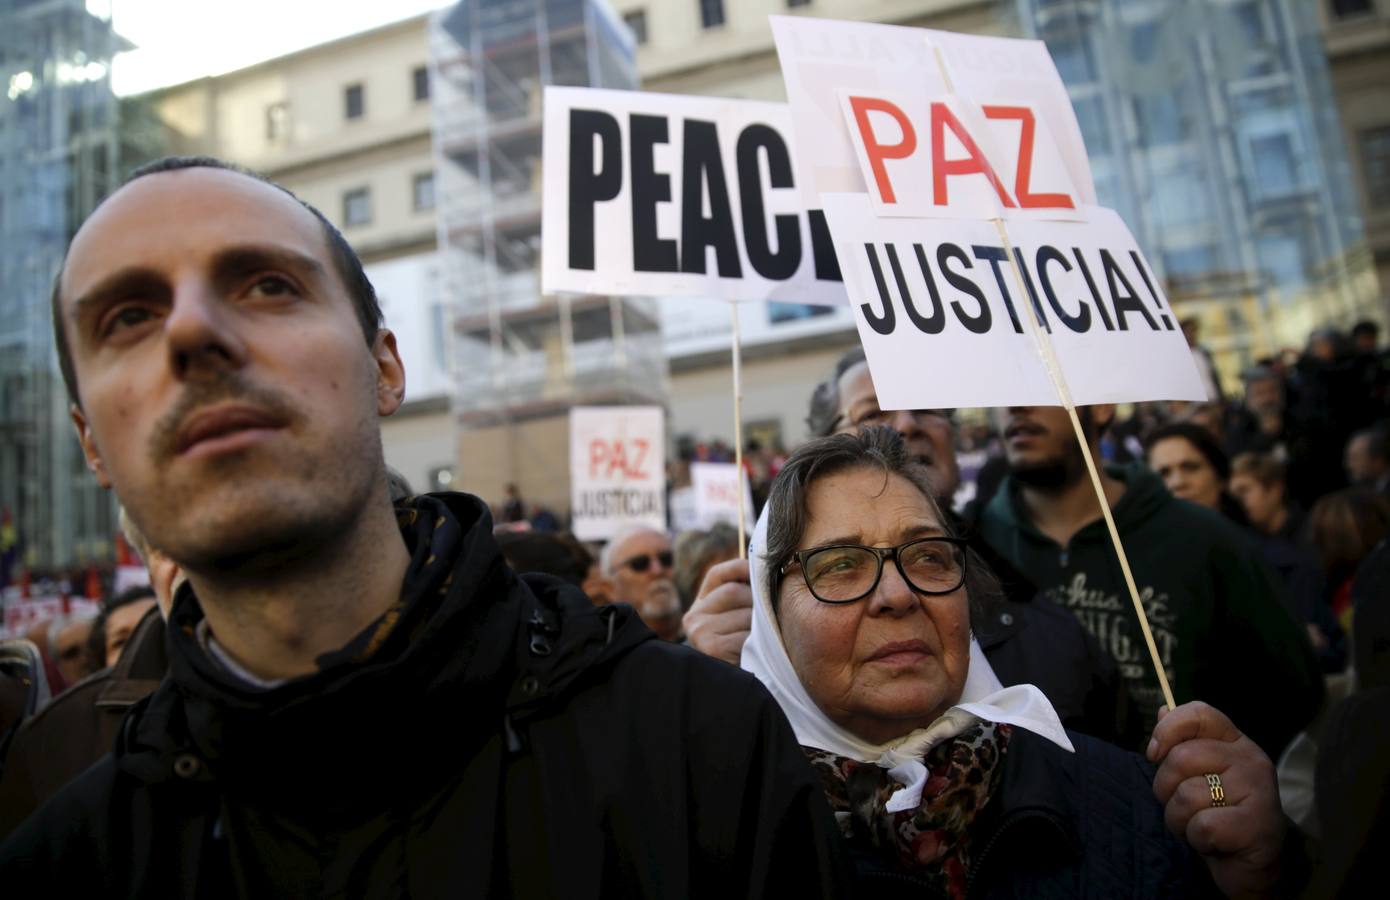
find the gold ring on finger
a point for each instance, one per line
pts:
(1218, 793)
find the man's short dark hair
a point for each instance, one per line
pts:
(1365, 326)
(824, 415)
(345, 260)
(1377, 441)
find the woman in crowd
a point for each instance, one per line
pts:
(1344, 527)
(942, 782)
(1194, 467)
(1258, 481)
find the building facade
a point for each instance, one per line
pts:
(346, 126)
(1357, 39)
(59, 153)
(522, 358)
(1211, 127)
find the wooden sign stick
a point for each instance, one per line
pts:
(738, 426)
(1055, 371)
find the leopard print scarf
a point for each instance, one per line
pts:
(931, 841)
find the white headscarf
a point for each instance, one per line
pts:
(983, 698)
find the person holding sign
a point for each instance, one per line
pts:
(1026, 638)
(945, 784)
(1221, 630)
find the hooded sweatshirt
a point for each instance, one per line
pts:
(1215, 611)
(487, 736)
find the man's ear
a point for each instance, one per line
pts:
(89, 446)
(390, 379)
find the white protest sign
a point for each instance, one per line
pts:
(718, 490)
(944, 322)
(681, 504)
(823, 58)
(979, 268)
(658, 194)
(617, 469)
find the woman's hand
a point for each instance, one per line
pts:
(718, 622)
(1240, 840)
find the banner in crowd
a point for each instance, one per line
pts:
(617, 469)
(21, 615)
(717, 490)
(953, 177)
(672, 195)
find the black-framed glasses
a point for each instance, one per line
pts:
(844, 573)
(644, 562)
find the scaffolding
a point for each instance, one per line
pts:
(58, 157)
(517, 354)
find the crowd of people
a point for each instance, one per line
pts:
(337, 686)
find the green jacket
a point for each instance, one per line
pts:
(1214, 608)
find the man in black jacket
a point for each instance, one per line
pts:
(1026, 637)
(363, 700)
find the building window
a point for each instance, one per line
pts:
(357, 207)
(277, 122)
(420, 78)
(1347, 9)
(1277, 169)
(423, 191)
(711, 13)
(1375, 165)
(354, 101)
(637, 21)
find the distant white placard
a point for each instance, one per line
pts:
(617, 469)
(823, 58)
(944, 322)
(682, 509)
(718, 489)
(672, 195)
(978, 266)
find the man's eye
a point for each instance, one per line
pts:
(273, 286)
(126, 317)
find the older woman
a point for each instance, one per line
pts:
(943, 783)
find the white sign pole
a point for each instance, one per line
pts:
(738, 423)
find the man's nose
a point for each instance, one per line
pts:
(200, 333)
(905, 422)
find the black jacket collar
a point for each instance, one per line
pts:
(388, 724)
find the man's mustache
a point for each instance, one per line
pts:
(164, 443)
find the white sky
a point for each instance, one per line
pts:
(179, 40)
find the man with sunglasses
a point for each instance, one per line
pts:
(640, 567)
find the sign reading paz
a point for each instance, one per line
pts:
(718, 490)
(617, 469)
(980, 269)
(673, 195)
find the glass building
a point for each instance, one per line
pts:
(520, 359)
(1212, 128)
(58, 152)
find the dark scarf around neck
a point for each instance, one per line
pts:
(931, 842)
